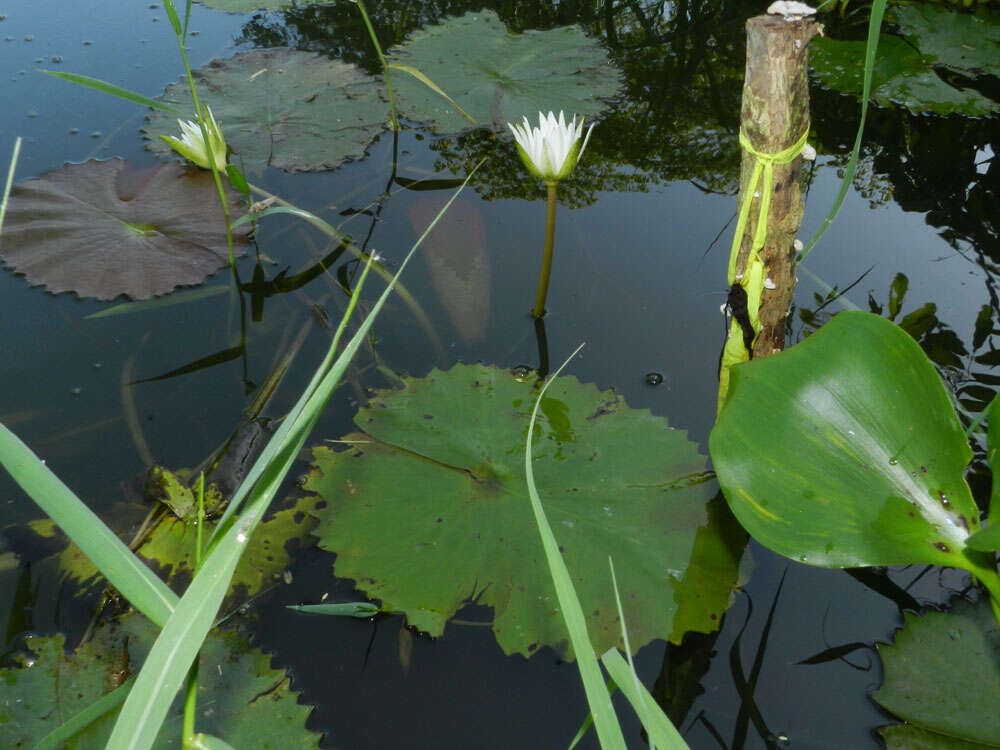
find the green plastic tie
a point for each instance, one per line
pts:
(763, 167)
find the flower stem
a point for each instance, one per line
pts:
(550, 236)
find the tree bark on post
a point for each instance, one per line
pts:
(775, 115)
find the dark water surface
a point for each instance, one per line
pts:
(636, 276)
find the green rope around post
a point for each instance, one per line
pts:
(752, 279)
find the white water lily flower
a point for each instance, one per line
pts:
(551, 150)
(192, 146)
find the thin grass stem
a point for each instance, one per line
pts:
(10, 180)
(381, 57)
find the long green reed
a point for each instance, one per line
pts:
(605, 720)
(182, 635)
(871, 47)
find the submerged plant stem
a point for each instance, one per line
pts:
(550, 236)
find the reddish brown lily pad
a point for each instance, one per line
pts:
(101, 229)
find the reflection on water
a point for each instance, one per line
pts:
(636, 276)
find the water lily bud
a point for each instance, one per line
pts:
(192, 146)
(550, 151)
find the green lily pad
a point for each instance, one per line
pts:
(428, 507)
(171, 548)
(249, 6)
(299, 111)
(901, 76)
(498, 77)
(968, 43)
(845, 451)
(240, 698)
(942, 675)
(100, 229)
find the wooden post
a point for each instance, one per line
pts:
(774, 116)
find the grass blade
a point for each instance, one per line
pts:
(110, 88)
(661, 730)
(605, 721)
(178, 643)
(416, 73)
(175, 298)
(342, 609)
(124, 571)
(108, 702)
(10, 180)
(874, 26)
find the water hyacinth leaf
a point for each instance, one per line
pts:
(498, 77)
(968, 43)
(251, 705)
(845, 451)
(902, 75)
(929, 669)
(432, 508)
(101, 229)
(298, 111)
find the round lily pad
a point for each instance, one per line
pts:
(428, 507)
(100, 229)
(965, 42)
(498, 77)
(299, 111)
(240, 698)
(942, 676)
(249, 6)
(902, 75)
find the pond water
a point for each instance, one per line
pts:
(638, 275)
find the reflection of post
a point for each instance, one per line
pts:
(775, 116)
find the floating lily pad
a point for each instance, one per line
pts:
(942, 676)
(171, 548)
(428, 507)
(240, 698)
(100, 229)
(901, 76)
(965, 42)
(498, 77)
(249, 6)
(299, 111)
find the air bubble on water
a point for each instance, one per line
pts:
(87, 42)
(32, 113)
(74, 131)
(76, 390)
(97, 365)
(57, 59)
(654, 378)
(28, 38)
(96, 134)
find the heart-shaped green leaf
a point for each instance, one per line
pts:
(429, 508)
(845, 451)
